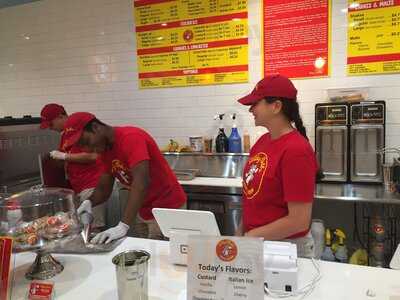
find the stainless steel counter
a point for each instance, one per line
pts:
(220, 173)
(324, 191)
(355, 193)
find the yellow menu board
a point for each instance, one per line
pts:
(191, 42)
(373, 39)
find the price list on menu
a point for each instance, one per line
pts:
(296, 37)
(373, 45)
(191, 42)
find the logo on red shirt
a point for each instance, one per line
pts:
(226, 250)
(120, 171)
(254, 174)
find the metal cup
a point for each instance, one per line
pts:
(387, 171)
(132, 268)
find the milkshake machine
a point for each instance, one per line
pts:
(367, 139)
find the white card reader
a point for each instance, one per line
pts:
(178, 224)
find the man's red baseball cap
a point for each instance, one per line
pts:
(271, 86)
(49, 113)
(73, 128)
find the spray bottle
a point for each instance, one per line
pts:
(221, 141)
(328, 254)
(341, 251)
(235, 141)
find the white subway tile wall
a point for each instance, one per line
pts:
(82, 54)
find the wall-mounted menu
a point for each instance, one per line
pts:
(373, 37)
(191, 42)
(296, 37)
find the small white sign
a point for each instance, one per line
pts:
(225, 268)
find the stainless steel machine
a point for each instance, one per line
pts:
(21, 141)
(367, 139)
(331, 140)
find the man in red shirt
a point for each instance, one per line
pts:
(83, 168)
(132, 156)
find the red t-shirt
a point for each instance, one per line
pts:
(131, 146)
(277, 172)
(81, 176)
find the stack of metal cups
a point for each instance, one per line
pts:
(387, 171)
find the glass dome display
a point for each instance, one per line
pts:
(38, 220)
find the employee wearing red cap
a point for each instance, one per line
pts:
(279, 176)
(83, 168)
(132, 156)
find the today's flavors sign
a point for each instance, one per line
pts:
(225, 268)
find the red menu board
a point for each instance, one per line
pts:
(296, 37)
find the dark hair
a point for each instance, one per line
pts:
(89, 126)
(290, 109)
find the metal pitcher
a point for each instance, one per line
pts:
(132, 272)
(391, 172)
(396, 173)
(387, 170)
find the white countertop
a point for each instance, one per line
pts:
(93, 277)
(213, 181)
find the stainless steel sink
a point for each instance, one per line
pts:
(188, 174)
(221, 165)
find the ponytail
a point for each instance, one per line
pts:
(290, 108)
(298, 122)
(300, 127)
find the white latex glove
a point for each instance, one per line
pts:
(111, 234)
(86, 206)
(55, 154)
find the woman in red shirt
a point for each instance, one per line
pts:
(279, 176)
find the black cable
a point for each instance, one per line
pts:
(356, 231)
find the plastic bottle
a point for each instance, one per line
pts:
(341, 251)
(246, 142)
(221, 141)
(318, 233)
(328, 254)
(359, 257)
(235, 141)
(378, 229)
(377, 245)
